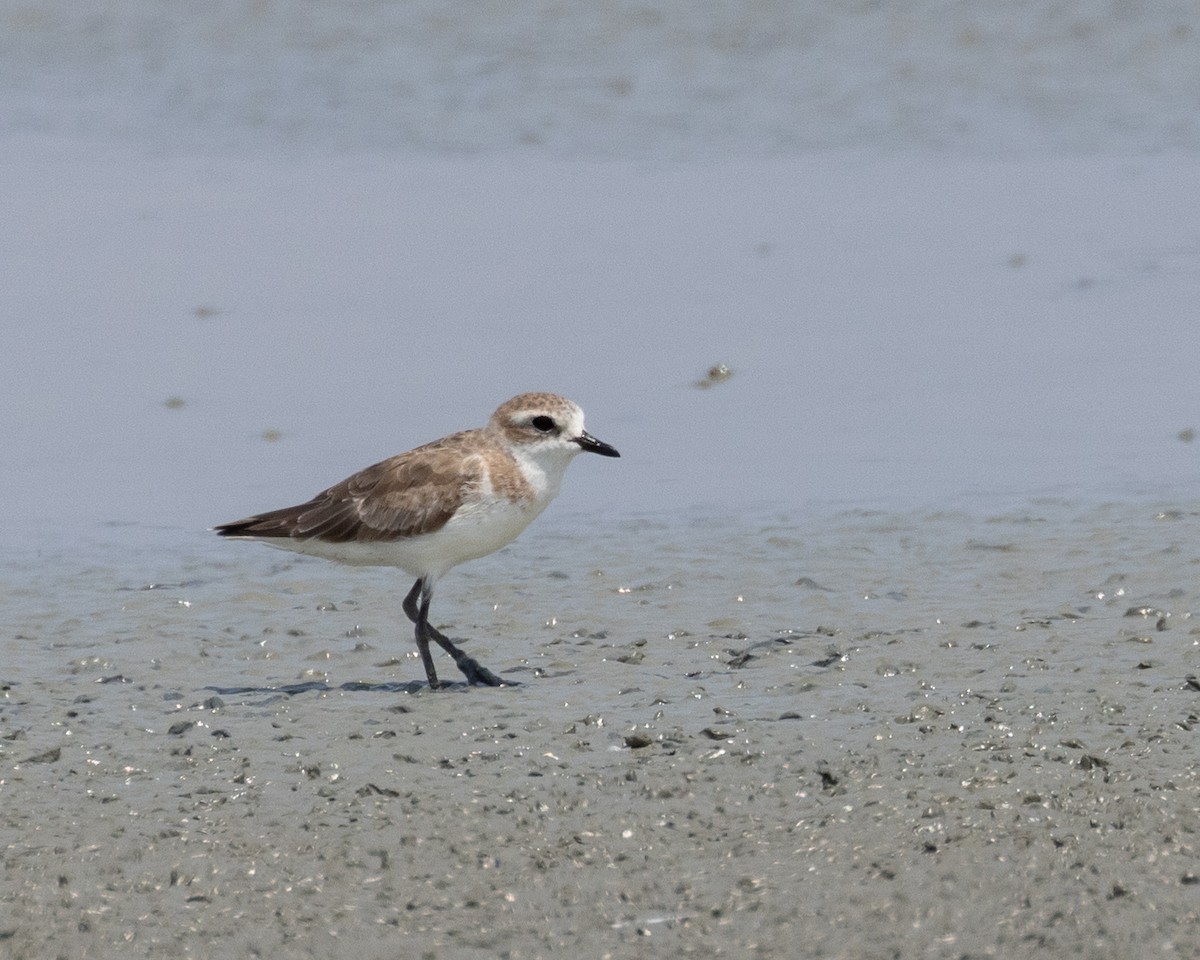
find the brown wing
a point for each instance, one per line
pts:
(403, 496)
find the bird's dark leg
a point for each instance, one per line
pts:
(420, 616)
(416, 607)
(410, 602)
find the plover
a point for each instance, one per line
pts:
(439, 505)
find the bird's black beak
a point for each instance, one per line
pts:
(589, 443)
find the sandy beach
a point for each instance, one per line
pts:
(866, 735)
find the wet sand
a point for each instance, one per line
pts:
(860, 735)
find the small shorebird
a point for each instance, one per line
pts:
(439, 505)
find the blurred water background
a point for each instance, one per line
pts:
(949, 252)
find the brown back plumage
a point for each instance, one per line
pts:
(403, 496)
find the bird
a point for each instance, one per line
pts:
(438, 505)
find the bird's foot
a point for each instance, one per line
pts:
(476, 673)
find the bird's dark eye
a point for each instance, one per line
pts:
(544, 424)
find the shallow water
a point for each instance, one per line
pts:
(688, 591)
(648, 79)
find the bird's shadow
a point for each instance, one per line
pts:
(351, 686)
(319, 686)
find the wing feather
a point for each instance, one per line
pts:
(408, 495)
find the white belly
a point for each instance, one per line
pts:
(471, 533)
